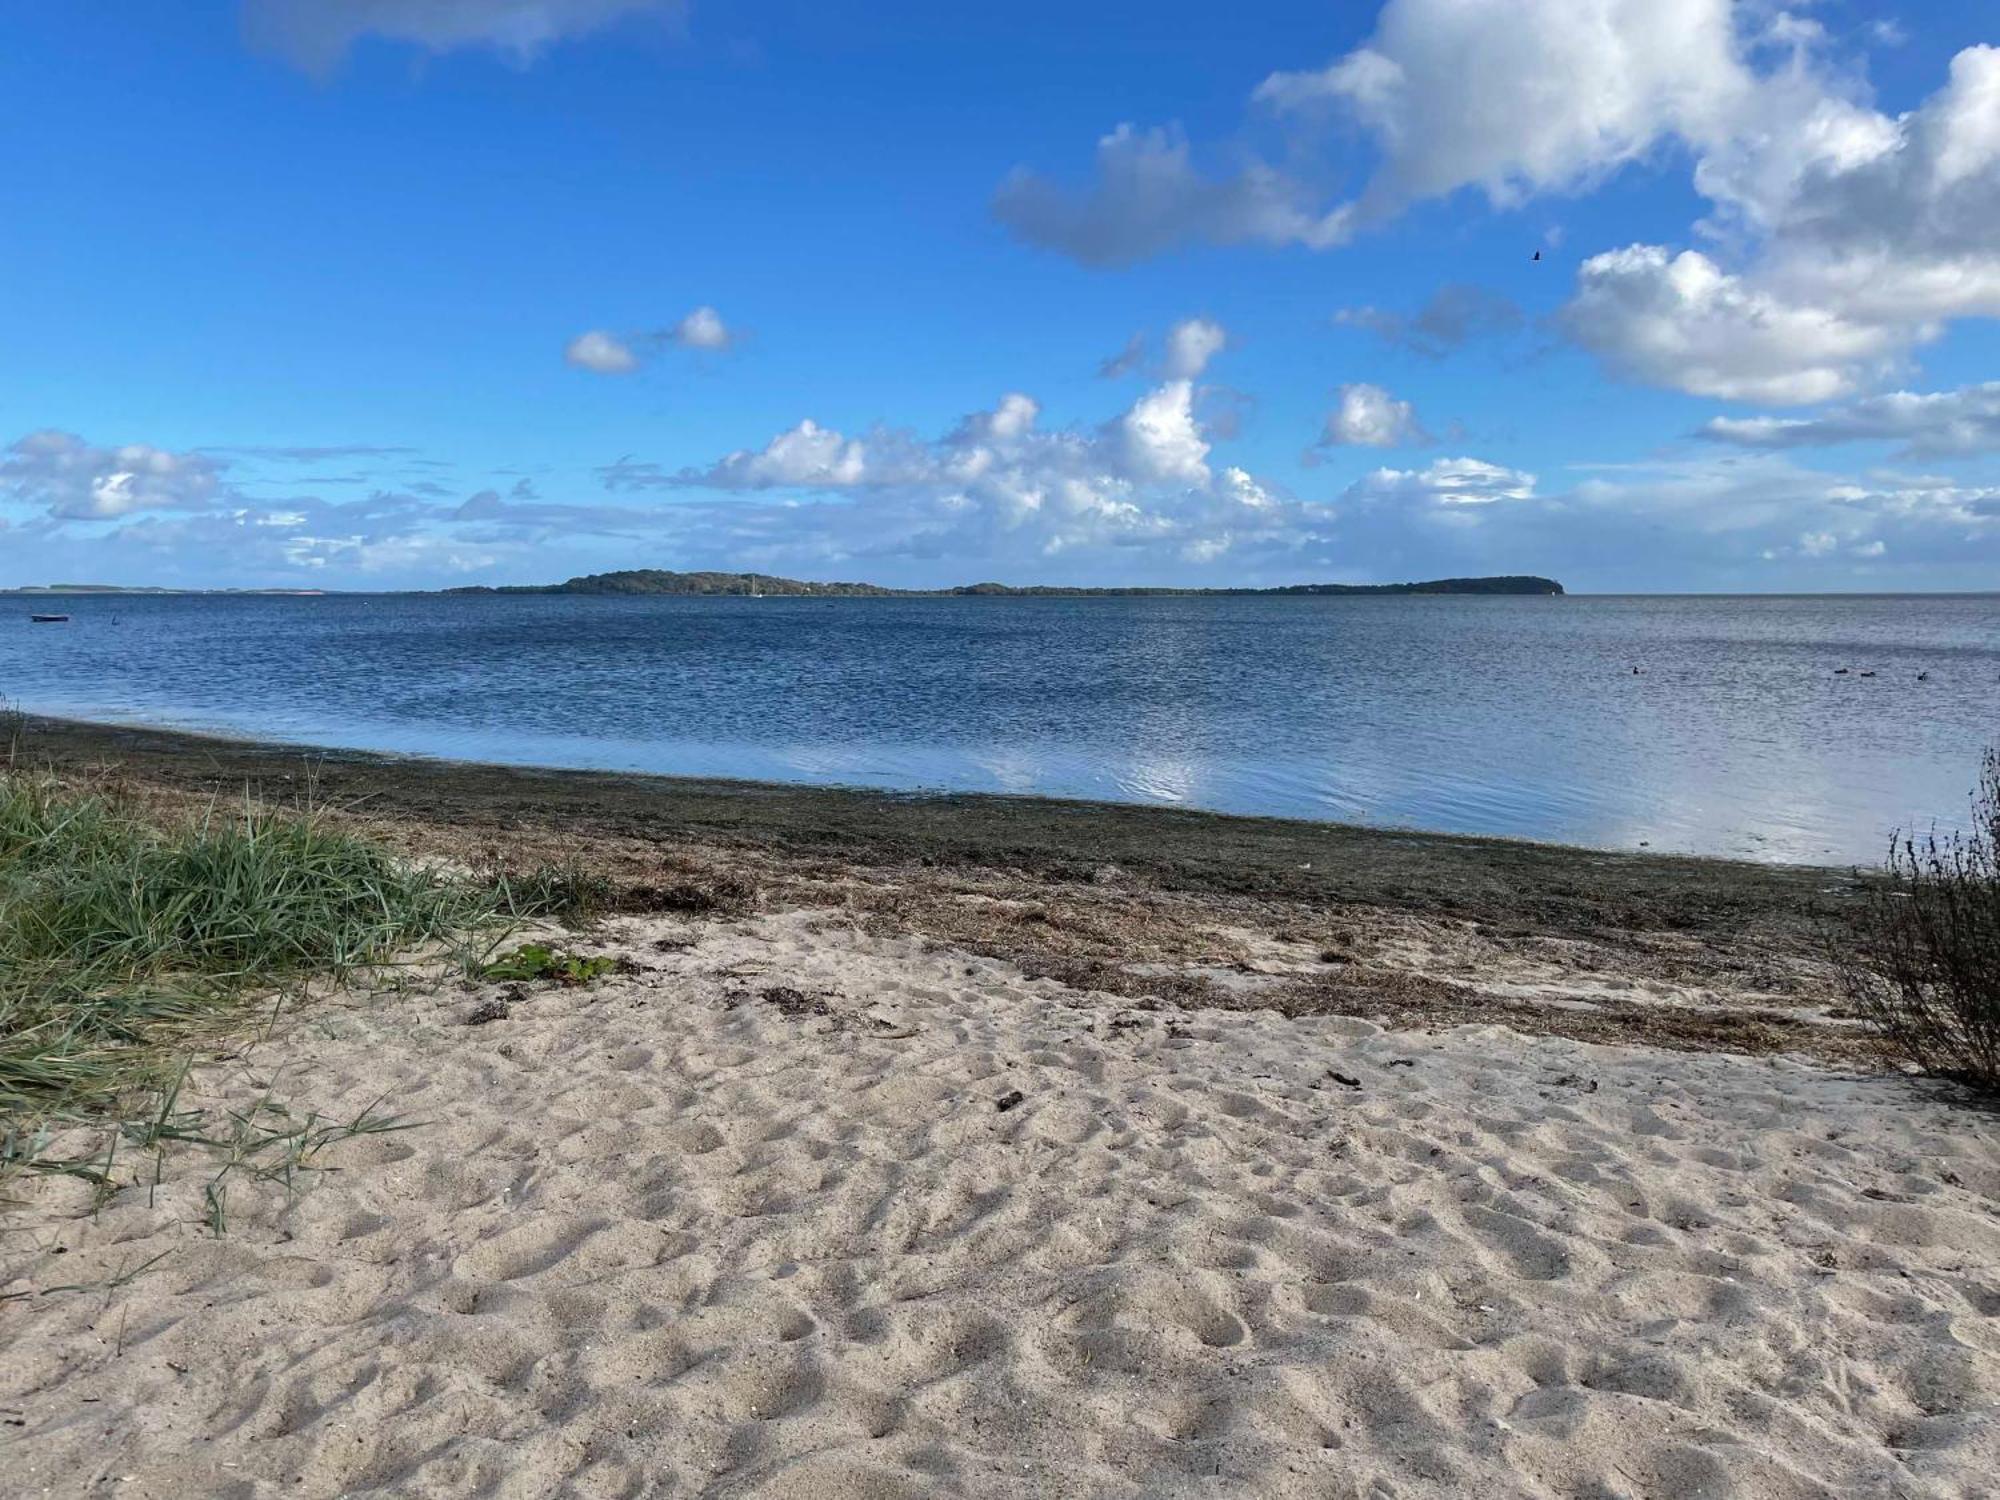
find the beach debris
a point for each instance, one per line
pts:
(795, 1003)
(1400, 1062)
(494, 1009)
(1010, 1100)
(1577, 1081)
(1342, 1079)
(697, 889)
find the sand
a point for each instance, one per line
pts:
(914, 1224)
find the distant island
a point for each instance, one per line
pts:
(764, 585)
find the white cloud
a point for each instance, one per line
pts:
(1158, 439)
(807, 457)
(1939, 424)
(1866, 233)
(1141, 497)
(1519, 97)
(1889, 218)
(1000, 486)
(1682, 321)
(317, 33)
(1841, 237)
(602, 353)
(701, 329)
(1447, 482)
(615, 354)
(1514, 96)
(1369, 417)
(413, 554)
(1191, 344)
(71, 480)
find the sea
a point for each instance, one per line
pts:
(1802, 729)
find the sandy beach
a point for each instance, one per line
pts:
(1026, 1175)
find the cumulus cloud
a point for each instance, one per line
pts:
(1515, 97)
(316, 34)
(1149, 196)
(70, 479)
(1142, 496)
(1845, 233)
(1938, 424)
(1682, 321)
(1455, 316)
(809, 456)
(1369, 417)
(606, 353)
(1868, 234)
(601, 353)
(1520, 97)
(1000, 485)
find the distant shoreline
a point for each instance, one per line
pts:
(657, 582)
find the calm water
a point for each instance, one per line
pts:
(1506, 716)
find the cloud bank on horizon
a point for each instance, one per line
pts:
(1359, 401)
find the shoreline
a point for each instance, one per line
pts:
(1568, 887)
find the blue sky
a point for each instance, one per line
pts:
(409, 293)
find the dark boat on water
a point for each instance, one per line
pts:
(50, 619)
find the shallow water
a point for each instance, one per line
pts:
(1507, 716)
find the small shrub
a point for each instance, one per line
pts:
(536, 961)
(1926, 969)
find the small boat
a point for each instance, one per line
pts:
(50, 619)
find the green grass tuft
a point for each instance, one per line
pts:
(122, 938)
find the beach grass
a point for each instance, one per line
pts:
(129, 938)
